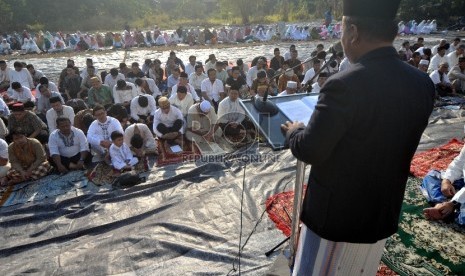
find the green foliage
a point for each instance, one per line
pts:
(87, 15)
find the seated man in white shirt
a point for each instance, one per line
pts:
(423, 65)
(50, 84)
(35, 74)
(100, 130)
(113, 77)
(147, 86)
(143, 109)
(21, 75)
(43, 103)
(440, 79)
(212, 89)
(184, 81)
(168, 122)
(316, 87)
(4, 75)
(311, 72)
(4, 110)
(58, 110)
(202, 123)
(190, 66)
(68, 146)
(291, 88)
(140, 139)
(4, 162)
(124, 92)
(21, 93)
(231, 115)
(196, 78)
(182, 100)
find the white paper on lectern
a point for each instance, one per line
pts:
(299, 110)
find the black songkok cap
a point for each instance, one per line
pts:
(376, 9)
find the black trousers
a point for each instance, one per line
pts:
(163, 129)
(65, 161)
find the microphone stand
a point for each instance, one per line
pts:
(308, 87)
(269, 108)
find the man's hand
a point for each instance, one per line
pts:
(446, 188)
(105, 143)
(61, 168)
(80, 165)
(170, 135)
(288, 126)
(24, 175)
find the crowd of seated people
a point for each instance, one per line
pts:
(444, 62)
(91, 116)
(77, 119)
(47, 42)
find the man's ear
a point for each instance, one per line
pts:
(354, 35)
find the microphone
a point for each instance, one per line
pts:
(264, 106)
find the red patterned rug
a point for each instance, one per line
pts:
(436, 158)
(279, 208)
(167, 157)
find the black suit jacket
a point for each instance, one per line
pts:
(360, 141)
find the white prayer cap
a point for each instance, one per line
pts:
(424, 62)
(292, 84)
(420, 50)
(205, 106)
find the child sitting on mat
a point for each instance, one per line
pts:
(120, 154)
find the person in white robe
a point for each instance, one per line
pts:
(316, 87)
(182, 99)
(147, 86)
(140, 139)
(21, 75)
(453, 57)
(113, 77)
(143, 107)
(121, 156)
(100, 130)
(230, 113)
(124, 92)
(21, 93)
(438, 59)
(58, 110)
(5, 48)
(68, 146)
(291, 88)
(168, 122)
(184, 81)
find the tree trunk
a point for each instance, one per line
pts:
(243, 8)
(285, 16)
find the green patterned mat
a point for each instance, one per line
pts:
(422, 247)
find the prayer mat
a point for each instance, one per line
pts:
(166, 156)
(241, 139)
(450, 101)
(105, 174)
(384, 270)
(279, 208)
(5, 192)
(46, 187)
(436, 158)
(420, 247)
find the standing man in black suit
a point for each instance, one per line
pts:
(359, 141)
